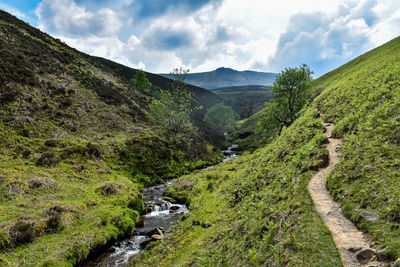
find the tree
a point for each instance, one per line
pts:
(221, 116)
(172, 111)
(141, 82)
(291, 93)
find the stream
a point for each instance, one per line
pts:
(163, 213)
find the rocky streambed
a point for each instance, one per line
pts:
(162, 213)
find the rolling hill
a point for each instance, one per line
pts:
(226, 77)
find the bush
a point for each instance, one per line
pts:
(222, 117)
(93, 150)
(53, 143)
(22, 232)
(54, 221)
(38, 182)
(108, 189)
(141, 82)
(47, 159)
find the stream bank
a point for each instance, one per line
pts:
(162, 213)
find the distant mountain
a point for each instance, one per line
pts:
(225, 77)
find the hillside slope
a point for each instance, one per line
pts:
(256, 209)
(244, 100)
(204, 98)
(75, 150)
(224, 77)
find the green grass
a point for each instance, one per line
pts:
(98, 186)
(75, 150)
(258, 204)
(362, 98)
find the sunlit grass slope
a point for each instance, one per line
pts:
(75, 150)
(256, 209)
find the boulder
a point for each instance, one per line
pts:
(174, 208)
(150, 232)
(355, 249)
(169, 199)
(371, 217)
(364, 256)
(382, 256)
(157, 237)
(206, 225)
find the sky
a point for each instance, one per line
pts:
(202, 35)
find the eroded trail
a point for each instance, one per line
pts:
(353, 247)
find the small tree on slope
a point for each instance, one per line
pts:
(172, 111)
(141, 82)
(222, 117)
(291, 89)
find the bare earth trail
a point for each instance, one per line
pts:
(353, 247)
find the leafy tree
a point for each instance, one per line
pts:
(291, 89)
(141, 82)
(221, 116)
(172, 111)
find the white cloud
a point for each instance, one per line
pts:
(325, 40)
(13, 11)
(251, 34)
(65, 17)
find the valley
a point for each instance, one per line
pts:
(97, 169)
(244, 100)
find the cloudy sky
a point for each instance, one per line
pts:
(158, 35)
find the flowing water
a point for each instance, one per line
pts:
(163, 213)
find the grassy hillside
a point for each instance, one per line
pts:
(203, 97)
(244, 100)
(75, 150)
(256, 209)
(223, 77)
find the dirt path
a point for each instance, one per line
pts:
(353, 247)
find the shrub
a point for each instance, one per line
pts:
(22, 232)
(38, 182)
(54, 221)
(93, 150)
(53, 143)
(47, 159)
(141, 82)
(108, 189)
(221, 116)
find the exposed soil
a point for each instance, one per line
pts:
(354, 248)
